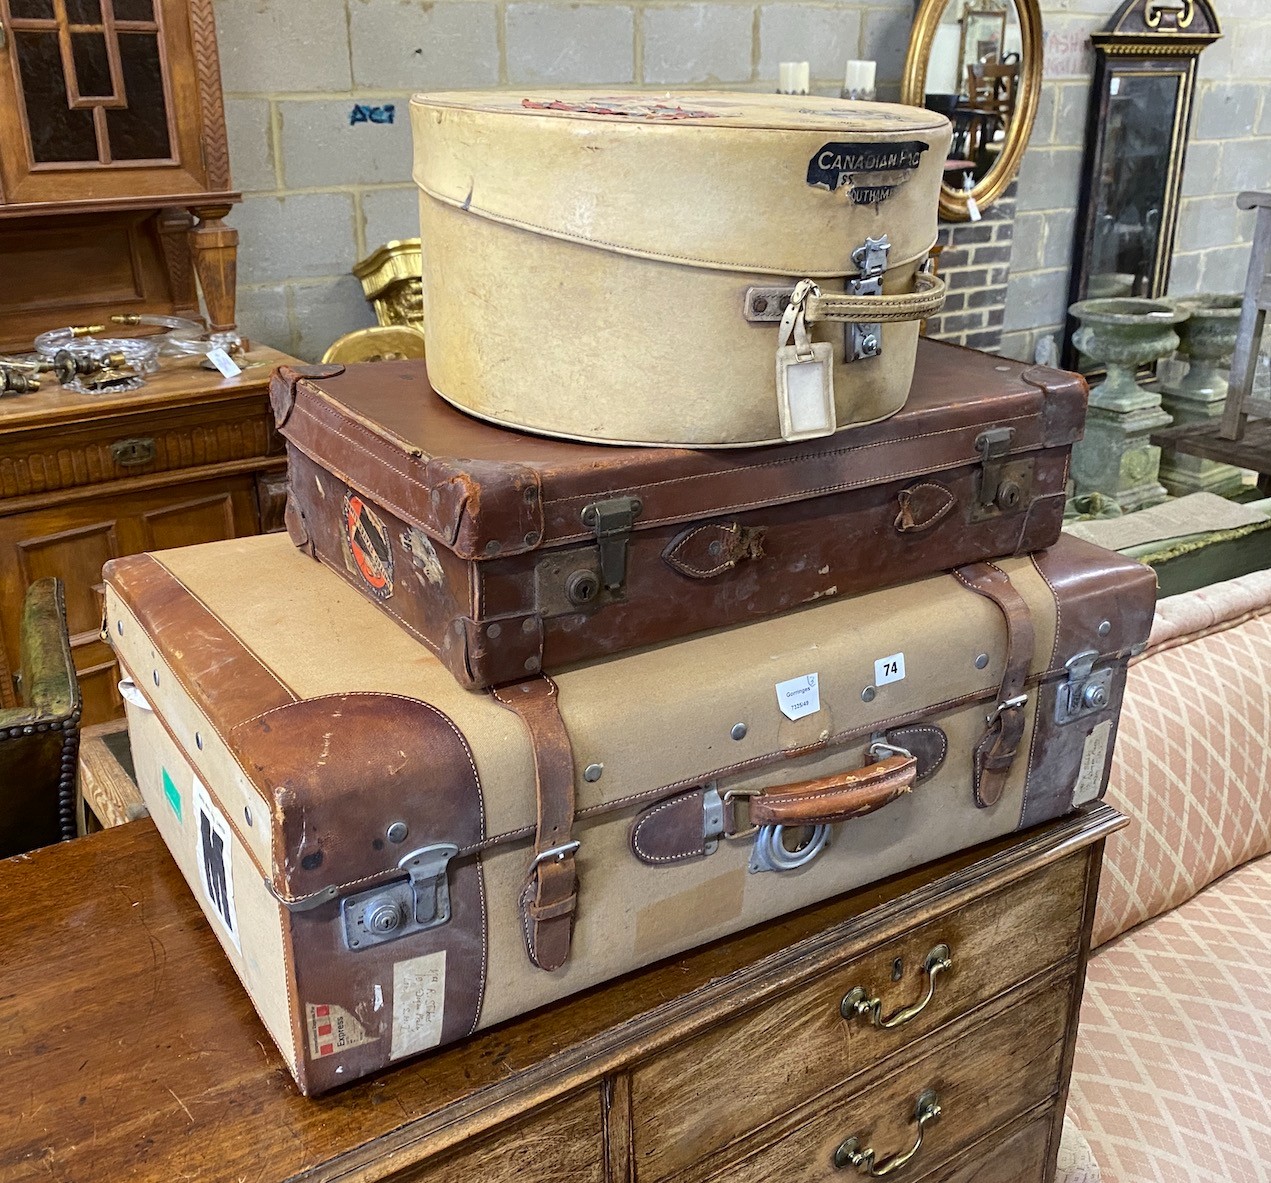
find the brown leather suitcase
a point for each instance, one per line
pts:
(509, 554)
(391, 862)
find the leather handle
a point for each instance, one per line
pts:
(925, 300)
(835, 798)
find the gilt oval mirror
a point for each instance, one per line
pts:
(980, 63)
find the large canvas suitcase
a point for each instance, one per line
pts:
(509, 554)
(391, 862)
(617, 267)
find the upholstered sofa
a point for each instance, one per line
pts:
(1172, 1077)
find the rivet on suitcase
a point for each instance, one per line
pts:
(509, 554)
(391, 862)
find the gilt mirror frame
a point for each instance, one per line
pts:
(913, 90)
(1144, 39)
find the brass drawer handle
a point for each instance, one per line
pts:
(850, 1154)
(857, 1002)
(133, 453)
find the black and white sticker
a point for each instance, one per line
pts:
(213, 850)
(870, 172)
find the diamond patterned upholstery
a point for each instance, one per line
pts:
(1173, 1068)
(1193, 764)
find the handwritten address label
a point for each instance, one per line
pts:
(798, 697)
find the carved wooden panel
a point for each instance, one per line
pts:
(76, 557)
(60, 460)
(207, 519)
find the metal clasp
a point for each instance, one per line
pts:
(612, 522)
(1005, 485)
(393, 910)
(1087, 690)
(559, 853)
(866, 340)
(1008, 704)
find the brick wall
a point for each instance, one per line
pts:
(321, 191)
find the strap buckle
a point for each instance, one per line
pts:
(558, 853)
(1008, 705)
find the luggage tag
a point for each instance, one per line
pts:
(805, 373)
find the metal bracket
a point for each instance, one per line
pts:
(866, 340)
(407, 906)
(1087, 690)
(612, 522)
(771, 853)
(712, 818)
(1004, 485)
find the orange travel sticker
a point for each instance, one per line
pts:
(366, 538)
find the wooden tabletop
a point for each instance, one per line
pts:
(131, 1052)
(177, 380)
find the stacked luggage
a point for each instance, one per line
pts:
(548, 709)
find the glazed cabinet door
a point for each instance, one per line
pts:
(103, 99)
(74, 541)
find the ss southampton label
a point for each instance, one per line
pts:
(870, 172)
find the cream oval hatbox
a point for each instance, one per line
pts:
(706, 270)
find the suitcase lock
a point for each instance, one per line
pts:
(1005, 485)
(408, 906)
(1087, 690)
(611, 522)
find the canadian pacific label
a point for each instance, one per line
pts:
(419, 996)
(367, 540)
(332, 1029)
(214, 846)
(870, 172)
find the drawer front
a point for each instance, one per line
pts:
(558, 1143)
(999, 1067)
(1019, 1153)
(118, 447)
(735, 1077)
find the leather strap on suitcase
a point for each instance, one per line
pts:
(550, 894)
(996, 750)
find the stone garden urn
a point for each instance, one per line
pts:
(1207, 337)
(1116, 457)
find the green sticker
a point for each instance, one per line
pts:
(172, 793)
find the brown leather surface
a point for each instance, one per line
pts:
(996, 750)
(830, 799)
(550, 895)
(1092, 586)
(671, 831)
(721, 539)
(222, 676)
(383, 427)
(928, 744)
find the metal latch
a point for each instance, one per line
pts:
(612, 522)
(866, 340)
(1005, 484)
(1087, 690)
(410, 905)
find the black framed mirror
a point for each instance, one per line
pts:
(1136, 142)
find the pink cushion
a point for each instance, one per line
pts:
(1193, 759)
(1172, 1074)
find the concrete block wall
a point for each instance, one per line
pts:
(326, 177)
(326, 174)
(1229, 151)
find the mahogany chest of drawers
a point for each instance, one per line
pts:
(931, 1016)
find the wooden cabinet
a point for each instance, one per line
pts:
(114, 163)
(190, 457)
(730, 1064)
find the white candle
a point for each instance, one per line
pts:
(793, 77)
(859, 76)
